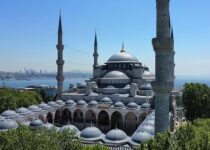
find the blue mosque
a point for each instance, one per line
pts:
(122, 104)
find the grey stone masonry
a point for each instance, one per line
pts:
(164, 65)
(60, 61)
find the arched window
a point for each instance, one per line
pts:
(49, 117)
(66, 115)
(90, 116)
(57, 116)
(78, 116)
(130, 122)
(117, 120)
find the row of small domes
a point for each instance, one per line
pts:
(81, 103)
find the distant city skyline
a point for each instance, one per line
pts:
(29, 33)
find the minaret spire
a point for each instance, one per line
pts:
(60, 61)
(95, 54)
(164, 65)
(123, 48)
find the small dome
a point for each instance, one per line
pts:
(116, 135)
(48, 126)
(132, 105)
(145, 105)
(44, 106)
(70, 102)
(147, 74)
(106, 100)
(69, 127)
(127, 86)
(81, 103)
(9, 114)
(81, 85)
(119, 105)
(60, 102)
(122, 57)
(145, 87)
(148, 128)
(34, 108)
(141, 136)
(91, 132)
(36, 123)
(8, 124)
(52, 104)
(23, 111)
(93, 103)
(115, 75)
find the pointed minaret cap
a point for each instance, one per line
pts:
(60, 24)
(122, 50)
(95, 40)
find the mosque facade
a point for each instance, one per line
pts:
(123, 104)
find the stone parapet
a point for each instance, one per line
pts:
(162, 44)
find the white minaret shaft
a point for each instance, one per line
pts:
(60, 61)
(164, 65)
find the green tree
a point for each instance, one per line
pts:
(196, 100)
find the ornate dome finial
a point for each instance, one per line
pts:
(122, 50)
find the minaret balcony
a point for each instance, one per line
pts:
(60, 62)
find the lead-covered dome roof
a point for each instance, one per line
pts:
(115, 75)
(60, 102)
(81, 103)
(132, 105)
(70, 102)
(36, 123)
(116, 135)
(34, 108)
(122, 57)
(9, 114)
(145, 87)
(70, 128)
(44, 106)
(91, 133)
(106, 100)
(93, 103)
(8, 124)
(23, 111)
(119, 105)
(141, 136)
(52, 104)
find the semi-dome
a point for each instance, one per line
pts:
(91, 133)
(48, 126)
(132, 105)
(148, 128)
(70, 102)
(7, 124)
(115, 75)
(141, 136)
(106, 100)
(145, 87)
(93, 103)
(34, 108)
(119, 105)
(23, 111)
(52, 104)
(122, 57)
(116, 135)
(145, 105)
(81, 103)
(60, 102)
(9, 114)
(36, 123)
(69, 127)
(44, 106)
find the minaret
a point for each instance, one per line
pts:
(164, 65)
(95, 54)
(60, 61)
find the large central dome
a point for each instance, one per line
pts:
(122, 57)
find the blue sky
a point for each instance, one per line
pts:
(28, 33)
